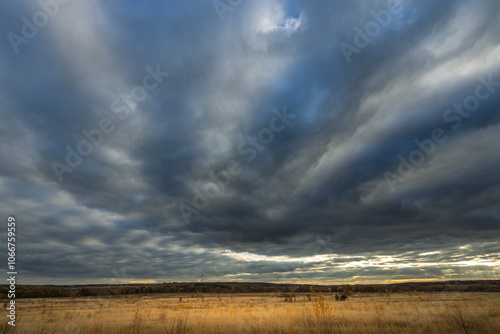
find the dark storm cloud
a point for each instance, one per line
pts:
(319, 200)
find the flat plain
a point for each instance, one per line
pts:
(446, 312)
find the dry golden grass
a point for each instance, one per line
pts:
(261, 313)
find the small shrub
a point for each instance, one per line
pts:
(288, 297)
(340, 298)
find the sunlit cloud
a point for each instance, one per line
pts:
(279, 146)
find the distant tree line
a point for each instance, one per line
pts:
(37, 291)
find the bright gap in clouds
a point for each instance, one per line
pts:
(333, 261)
(274, 17)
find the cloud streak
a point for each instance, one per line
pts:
(310, 199)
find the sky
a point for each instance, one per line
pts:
(297, 141)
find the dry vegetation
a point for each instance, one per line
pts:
(262, 313)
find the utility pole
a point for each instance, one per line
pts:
(202, 277)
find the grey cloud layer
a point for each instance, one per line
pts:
(323, 175)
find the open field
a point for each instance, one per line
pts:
(445, 312)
